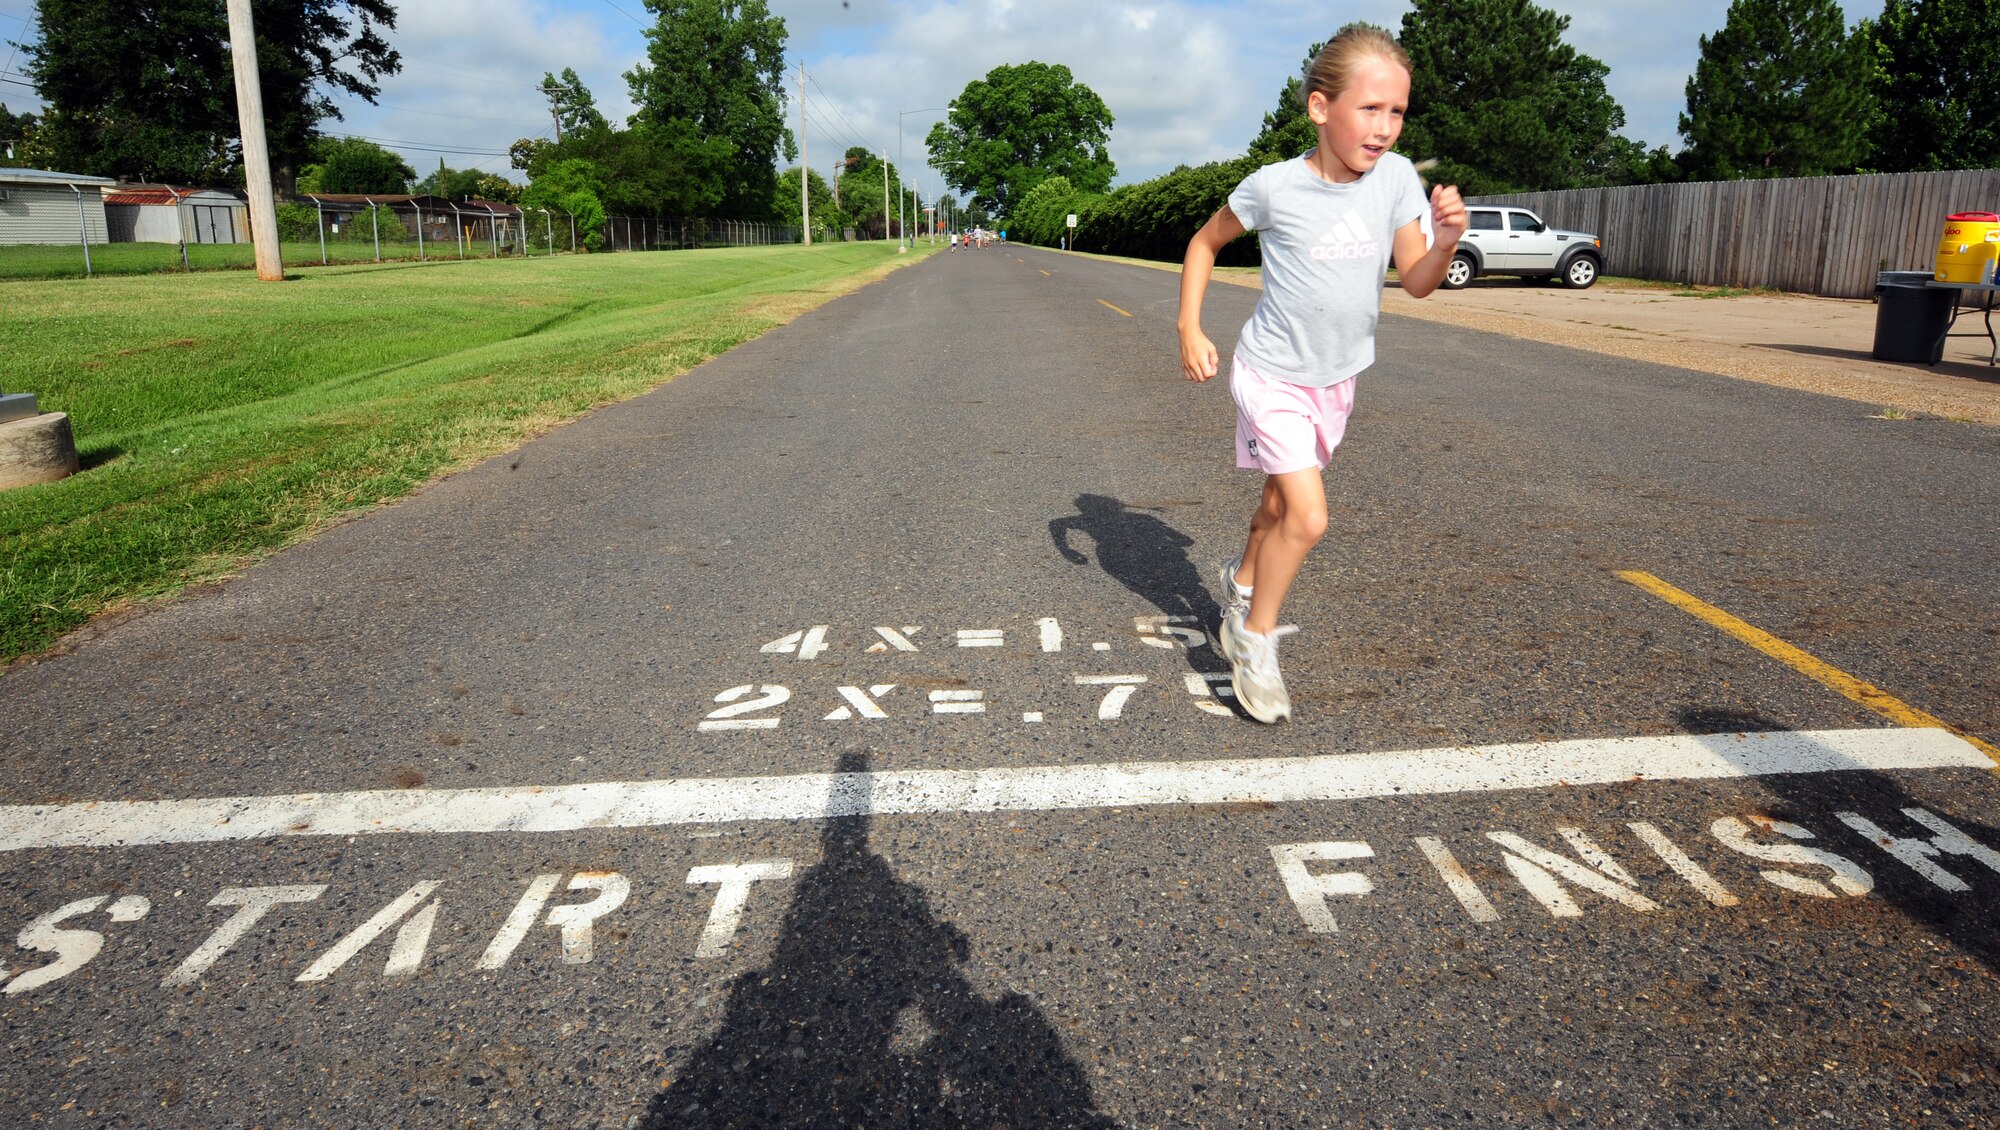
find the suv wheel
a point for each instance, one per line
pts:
(1460, 272)
(1581, 272)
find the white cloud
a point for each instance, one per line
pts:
(1187, 81)
(1651, 49)
(470, 74)
(1168, 73)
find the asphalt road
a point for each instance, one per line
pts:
(829, 739)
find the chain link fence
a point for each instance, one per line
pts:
(168, 233)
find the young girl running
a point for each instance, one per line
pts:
(1329, 222)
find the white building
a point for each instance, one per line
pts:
(161, 213)
(39, 206)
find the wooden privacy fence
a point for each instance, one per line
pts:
(1809, 235)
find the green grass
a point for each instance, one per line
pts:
(64, 261)
(220, 418)
(1685, 290)
(1719, 291)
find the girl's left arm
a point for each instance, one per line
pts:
(1421, 270)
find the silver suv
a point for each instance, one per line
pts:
(1515, 241)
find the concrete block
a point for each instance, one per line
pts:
(17, 406)
(38, 449)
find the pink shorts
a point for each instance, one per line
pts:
(1283, 427)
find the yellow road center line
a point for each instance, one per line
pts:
(1127, 313)
(1827, 675)
(1044, 272)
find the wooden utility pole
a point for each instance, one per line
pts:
(554, 96)
(256, 154)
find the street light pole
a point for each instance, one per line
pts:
(903, 242)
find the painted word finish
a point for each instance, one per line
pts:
(1564, 874)
(411, 914)
(1555, 878)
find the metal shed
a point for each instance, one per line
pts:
(41, 206)
(161, 213)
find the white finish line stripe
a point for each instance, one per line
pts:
(644, 804)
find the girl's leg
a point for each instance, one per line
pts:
(1289, 522)
(1269, 510)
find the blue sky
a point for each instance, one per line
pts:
(1187, 81)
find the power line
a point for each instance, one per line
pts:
(513, 83)
(460, 117)
(490, 76)
(542, 136)
(26, 26)
(836, 107)
(432, 147)
(623, 12)
(827, 128)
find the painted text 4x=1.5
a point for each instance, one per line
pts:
(757, 706)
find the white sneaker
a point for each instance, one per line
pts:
(1253, 668)
(1233, 594)
(1233, 615)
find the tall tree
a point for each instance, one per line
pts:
(450, 183)
(577, 122)
(862, 198)
(571, 190)
(825, 213)
(1781, 91)
(670, 169)
(16, 132)
(714, 71)
(144, 88)
(1287, 131)
(1935, 85)
(14, 127)
(570, 103)
(1499, 99)
(648, 170)
(1018, 126)
(351, 164)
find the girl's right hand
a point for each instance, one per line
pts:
(1198, 356)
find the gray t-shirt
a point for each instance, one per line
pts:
(1326, 252)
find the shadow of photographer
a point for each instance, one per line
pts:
(864, 1018)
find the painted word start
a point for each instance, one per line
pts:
(1550, 877)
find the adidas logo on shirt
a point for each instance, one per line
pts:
(1348, 240)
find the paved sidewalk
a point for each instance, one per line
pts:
(1796, 341)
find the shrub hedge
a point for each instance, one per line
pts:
(1150, 220)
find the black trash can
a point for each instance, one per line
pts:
(1910, 317)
